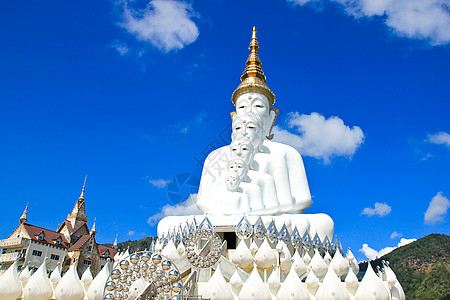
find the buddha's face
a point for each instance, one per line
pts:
(242, 148)
(258, 104)
(247, 126)
(238, 167)
(232, 181)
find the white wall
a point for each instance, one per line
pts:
(47, 251)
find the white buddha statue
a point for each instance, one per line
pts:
(275, 181)
(254, 175)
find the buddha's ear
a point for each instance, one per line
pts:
(232, 114)
(272, 118)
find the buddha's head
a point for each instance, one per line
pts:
(232, 181)
(243, 148)
(238, 166)
(258, 104)
(248, 125)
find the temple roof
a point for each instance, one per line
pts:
(68, 224)
(70, 228)
(80, 243)
(102, 250)
(49, 237)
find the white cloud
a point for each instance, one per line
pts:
(422, 19)
(437, 209)
(319, 137)
(120, 47)
(373, 254)
(380, 209)
(396, 234)
(167, 25)
(404, 242)
(159, 183)
(131, 233)
(185, 208)
(440, 138)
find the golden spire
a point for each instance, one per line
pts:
(115, 243)
(24, 216)
(79, 210)
(93, 226)
(253, 78)
(253, 64)
(82, 191)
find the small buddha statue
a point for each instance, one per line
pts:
(238, 167)
(232, 181)
(242, 147)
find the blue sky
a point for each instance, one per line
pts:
(131, 93)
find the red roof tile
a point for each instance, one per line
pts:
(69, 226)
(50, 236)
(102, 250)
(80, 243)
(79, 226)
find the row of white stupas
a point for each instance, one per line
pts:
(42, 286)
(39, 285)
(278, 265)
(255, 272)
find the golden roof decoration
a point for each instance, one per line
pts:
(24, 216)
(79, 210)
(253, 78)
(82, 191)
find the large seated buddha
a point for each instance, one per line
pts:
(254, 175)
(275, 182)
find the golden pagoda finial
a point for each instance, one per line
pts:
(93, 226)
(115, 243)
(79, 210)
(24, 216)
(253, 64)
(253, 78)
(82, 191)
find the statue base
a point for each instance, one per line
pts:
(321, 224)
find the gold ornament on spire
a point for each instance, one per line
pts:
(79, 210)
(82, 191)
(115, 243)
(24, 216)
(253, 78)
(93, 227)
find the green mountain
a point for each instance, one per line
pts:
(422, 267)
(137, 245)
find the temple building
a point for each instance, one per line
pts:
(72, 243)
